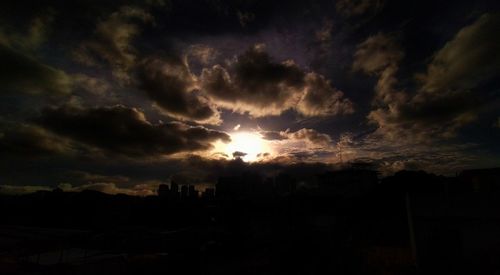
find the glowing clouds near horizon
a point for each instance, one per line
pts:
(249, 146)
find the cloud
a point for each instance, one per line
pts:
(94, 90)
(257, 85)
(21, 73)
(380, 55)
(391, 155)
(31, 38)
(209, 170)
(245, 18)
(238, 154)
(92, 85)
(324, 35)
(111, 41)
(321, 99)
(253, 83)
(352, 8)
(452, 92)
(22, 139)
(273, 135)
(86, 177)
(414, 129)
(465, 61)
(143, 189)
(173, 88)
(322, 44)
(20, 190)
(125, 131)
(311, 136)
(27, 81)
(147, 188)
(201, 53)
(377, 53)
(446, 99)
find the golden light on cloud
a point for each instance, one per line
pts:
(250, 146)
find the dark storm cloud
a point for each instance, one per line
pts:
(452, 90)
(254, 80)
(126, 131)
(377, 53)
(111, 42)
(322, 46)
(209, 170)
(351, 8)
(20, 190)
(21, 73)
(245, 18)
(435, 66)
(238, 154)
(272, 135)
(380, 55)
(447, 98)
(21, 139)
(78, 176)
(28, 37)
(172, 87)
(320, 98)
(255, 84)
(95, 90)
(92, 85)
(201, 53)
(464, 62)
(176, 17)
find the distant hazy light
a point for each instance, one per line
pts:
(250, 143)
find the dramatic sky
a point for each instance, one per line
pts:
(119, 96)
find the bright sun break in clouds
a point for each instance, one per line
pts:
(249, 143)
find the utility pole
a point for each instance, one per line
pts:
(411, 228)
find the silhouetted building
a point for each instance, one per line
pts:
(209, 193)
(480, 180)
(361, 165)
(163, 191)
(347, 183)
(229, 187)
(248, 185)
(285, 184)
(184, 192)
(193, 194)
(174, 190)
(453, 222)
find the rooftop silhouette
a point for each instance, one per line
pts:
(346, 221)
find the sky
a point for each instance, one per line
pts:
(120, 96)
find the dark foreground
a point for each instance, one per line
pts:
(348, 222)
